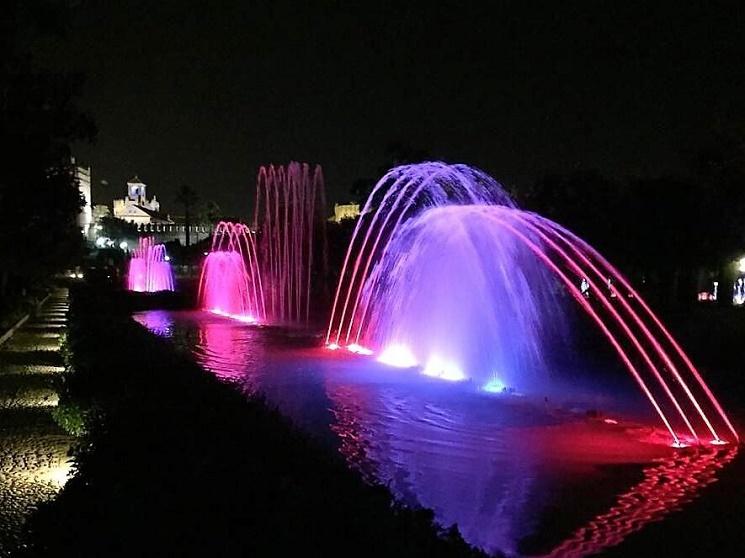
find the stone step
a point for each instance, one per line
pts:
(30, 369)
(29, 344)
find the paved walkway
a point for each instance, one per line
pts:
(33, 449)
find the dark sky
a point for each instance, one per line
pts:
(204, 92)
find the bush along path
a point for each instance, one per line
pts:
(175, 463)
(34, 461)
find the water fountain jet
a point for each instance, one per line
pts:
(443, 272)
(149, 270)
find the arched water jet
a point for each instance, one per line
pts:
(403, 193)
(418, 288)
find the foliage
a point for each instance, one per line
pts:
(662, 230)
(116, 228)
(396, 153)
(70, 417)
(39, 199)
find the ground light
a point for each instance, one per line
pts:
(741, 265)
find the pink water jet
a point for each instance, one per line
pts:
(290, 220)
(149, 270)
(266, 273)
(230, 283)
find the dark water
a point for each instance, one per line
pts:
(519, 475)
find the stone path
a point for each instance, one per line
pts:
(34, 464)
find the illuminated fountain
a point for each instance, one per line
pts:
(230, 283)
(149, 269)
(445, 274)
(266, 274)
(289, 215)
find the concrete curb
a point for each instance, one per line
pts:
(8, 334)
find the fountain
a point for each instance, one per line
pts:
(265, 274)
(149, 269)
(290, 216)
(230, 283)
(444, 273)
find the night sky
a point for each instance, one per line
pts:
(204, 92)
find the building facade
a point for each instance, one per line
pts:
(83, 179)
(136, 208)
(345, 211)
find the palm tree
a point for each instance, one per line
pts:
(188, 197)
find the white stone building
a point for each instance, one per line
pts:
(136, 208)
(83, 178)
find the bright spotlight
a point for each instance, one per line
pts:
(494, 386)
(397, 355)
(359, 349)
(167, 258)
(123, 245)
(438, 368)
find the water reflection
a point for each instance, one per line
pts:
(160, 322)
(666, 487)
(494, 465)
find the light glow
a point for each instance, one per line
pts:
(440, 368)
(397, 355)
(495, 386)
(247, 319)
(359, 349)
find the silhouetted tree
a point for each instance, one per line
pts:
(39, 199)
(114, 228)
(189, 198)
(396, 153)
(210, 212)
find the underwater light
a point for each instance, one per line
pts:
(359, 349)
(494, 386)
(438, 368)
(397, 355)
(238, 317)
